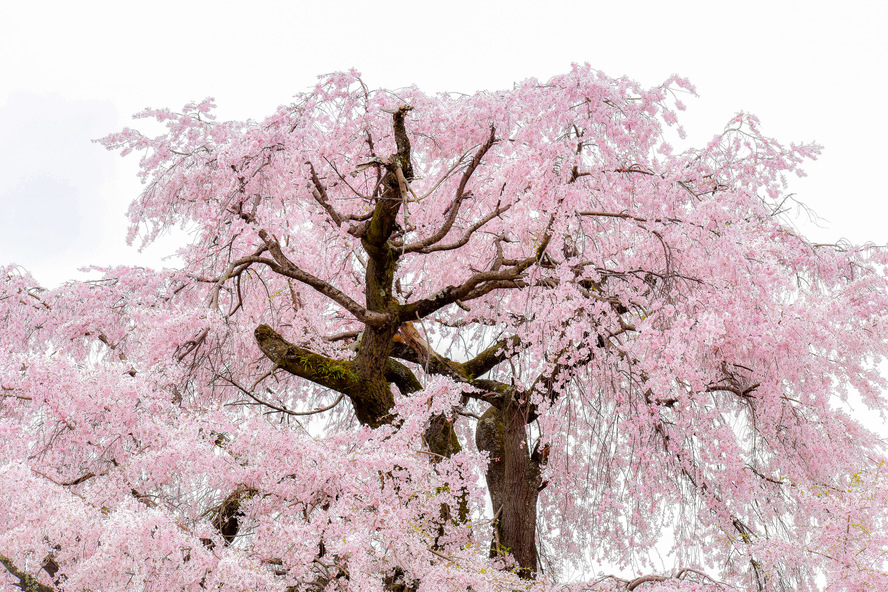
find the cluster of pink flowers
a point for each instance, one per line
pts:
(704, 352)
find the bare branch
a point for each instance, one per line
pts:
(679, 575)
(319, 192)
(476, 286)
(279, 408)
(342, 336)
(490, 357)
(189, 346)
(9, 391)
(489, 391)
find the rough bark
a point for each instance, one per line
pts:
(514, 482)
(227, 515)
(513, 474)
(27, 582)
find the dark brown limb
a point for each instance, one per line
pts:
(372, 357)
(372, 399)
(27, 582)
(468, 234)
(490, 357)
(489, 391)
(227, 515)
(282, 265)
(478, 285)
(461, 194)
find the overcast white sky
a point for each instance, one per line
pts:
(73, 71)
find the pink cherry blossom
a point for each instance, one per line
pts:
(449, 342)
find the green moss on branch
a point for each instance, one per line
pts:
(338, 375)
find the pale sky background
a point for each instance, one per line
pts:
(74, 71)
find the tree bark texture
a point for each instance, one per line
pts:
(513, 476)
(514, 483)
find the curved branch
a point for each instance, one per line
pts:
(453, 208)
(490, 357)
(372, 400)
(479, 284)
(468, 235)
(319, 193)
(680, 575)
(282, 265)
(280, 409)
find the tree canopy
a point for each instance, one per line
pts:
(452, 342)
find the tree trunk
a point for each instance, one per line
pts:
(513, 479)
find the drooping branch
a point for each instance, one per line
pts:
(688, 468)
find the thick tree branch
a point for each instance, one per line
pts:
(371, 399)
(337, 375)
(27, 582)
(399, 171)
(433, 364)
(490, 357)
(489, 391)
(402, 376)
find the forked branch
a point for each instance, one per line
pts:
(461, 194)
(282, 265)
(476, 286)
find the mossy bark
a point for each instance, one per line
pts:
(26, 581)
(513, 475)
